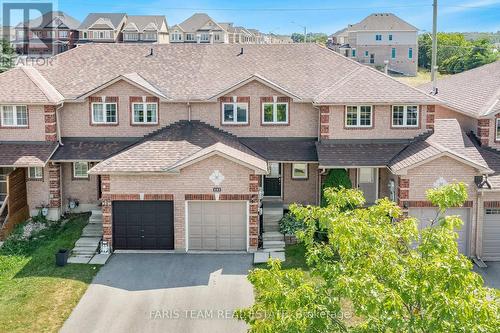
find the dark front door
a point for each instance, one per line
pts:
(272, 181)
(143, 225)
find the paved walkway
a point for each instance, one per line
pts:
(491, 274)
(165, 293)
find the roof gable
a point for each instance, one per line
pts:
(382, 22)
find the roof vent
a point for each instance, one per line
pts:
(151, 53)
(241, 52)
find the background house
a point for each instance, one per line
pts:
(47, 35)
(146, 29)
(380, 39)
(102, 28)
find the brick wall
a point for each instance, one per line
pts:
(303, 191)
(84, 190)
(50, 123)
(489, 128)
(382, 121)
(467, 123)
(324, 122)
(35, 130)
(239, 184)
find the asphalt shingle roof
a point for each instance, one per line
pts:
(199, 72)
(90, 149)
(475, 92)
(382, 21)
(26, 154)
(113, 18)
(145, 22)
(169, 146)
(283, 149)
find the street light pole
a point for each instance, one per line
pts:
(434, 47)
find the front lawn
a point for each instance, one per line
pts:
(35, 294)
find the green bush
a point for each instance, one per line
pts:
(289, 224)
(336, 178)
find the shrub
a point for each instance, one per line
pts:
(289, 224)
(336, 178)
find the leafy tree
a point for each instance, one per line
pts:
(455, 53)
(335, 178)
(312, 37)
(399, 279)
(7, 55)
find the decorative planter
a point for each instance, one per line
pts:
(62, 257)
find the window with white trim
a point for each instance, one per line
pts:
(235, 113)
(149, 36)
(80, 170)
(358, 116)
(63, 34)
(14, 116)
(275, 113)
(145, 113)
(497, 133)
(299, 171)
(35, 173)
(405, 115)
(132, 36)
(104, 113)
(190, 37)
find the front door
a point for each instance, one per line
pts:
(272, 181)
(368, 183)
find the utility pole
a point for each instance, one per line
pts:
(434, 47)
(305, 34)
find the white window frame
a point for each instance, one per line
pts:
(235, 113)
(14, 115)
(405, 116)
(149, 36)
(306, 171)
(38, 173)
(193, 39)
(145, 109)
(131, 36)
(75, 175)
(497, 132)
(358, 116)
(63, 33)
(275, 113)
(105, 121)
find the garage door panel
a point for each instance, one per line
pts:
(491, 235)
(217, 225)
(143, 225)
(426, 215)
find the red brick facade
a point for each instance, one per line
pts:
(54, 170)
(483, 131)
(431, 115)
(324, 124)
(50, 122)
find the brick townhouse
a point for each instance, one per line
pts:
(183, 147)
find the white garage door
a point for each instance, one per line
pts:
(491, 235)
(426, 215)
(217, 225)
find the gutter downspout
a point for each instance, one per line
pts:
(58, 125)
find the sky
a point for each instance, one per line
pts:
(285, 17)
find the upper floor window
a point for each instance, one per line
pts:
(104, 113)
(145, 113)
(393, 53)
(235, 113)
(390, 37)
(353, 53)
(358, 116)
(176, 37)
(217, 37)
(497, 135)
(275, 113)
(104, 34)
(204, 37)
(190, 37)
(14, 116)
(63, 34)
(80, 170)
(35, 173)
(131, 36)
(405, 116)
(410, 53)
(366, 53)
(378, 37)
(149, 36)
(85, 34)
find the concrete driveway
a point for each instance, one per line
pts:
(165, 293)
(491, 274)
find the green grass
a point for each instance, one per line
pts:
(35, 294)
(423, 76)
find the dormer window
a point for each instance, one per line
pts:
(104, 113)
(405, 116)
(275, 112)
(145, 113)
(14, 116)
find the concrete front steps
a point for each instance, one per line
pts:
(273, 242)
(87, 247)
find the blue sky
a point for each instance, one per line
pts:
(318, 16)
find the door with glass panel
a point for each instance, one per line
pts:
(272, 181)
(368, 183)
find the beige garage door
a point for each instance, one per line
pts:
(491, 235)
(217, 225)
(426, 215)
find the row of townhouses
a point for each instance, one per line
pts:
(185, 148)
(381, 40)
(56, 32)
